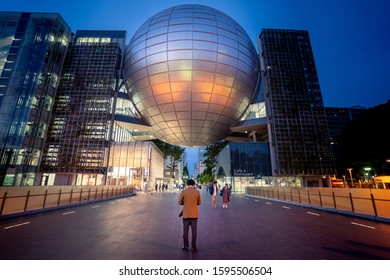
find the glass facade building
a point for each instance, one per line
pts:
(80, 129)
(298, 131)
(32, 51)
(337, 118)
(135, 163)
(94, 125)
(243, 164)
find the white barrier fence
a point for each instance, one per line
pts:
(24, 199)
(371, 202)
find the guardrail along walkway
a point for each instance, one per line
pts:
(147, 227)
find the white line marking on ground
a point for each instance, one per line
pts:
(96, 206)
(67, 213)
(285, 207)
(17, 225)
(269, 203)
(362, 225)
(257, 200)
(312, 213)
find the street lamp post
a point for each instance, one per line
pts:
(345, 181)
(185, 178)
(350, 174)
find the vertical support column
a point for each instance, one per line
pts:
(59, 197)
(319, 194)
(334, 200)
(299, 196)
(27, 198)
(373, 204)
(3, 203)
(351, 200)
(44, 200)
(71, 195)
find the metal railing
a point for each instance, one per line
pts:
(14, 200)
(366, 202)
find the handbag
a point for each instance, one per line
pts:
(181, 213)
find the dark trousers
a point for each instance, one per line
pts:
(187, 222)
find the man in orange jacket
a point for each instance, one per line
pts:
(190, 198)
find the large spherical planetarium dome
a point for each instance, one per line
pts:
(191, 72)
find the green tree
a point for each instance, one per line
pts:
(175, 158)
(210, 161)
(205, 177)
(172, 153)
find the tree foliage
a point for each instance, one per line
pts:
(364, 143)
(206, 177)
(172, 153)
(185, 174)
(210, 160)
(212, 152)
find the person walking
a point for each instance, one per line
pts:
(225, 193)
(190, 199)
(214, 192)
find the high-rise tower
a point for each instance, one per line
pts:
(32, 50)
(80, 129)
(298, 131)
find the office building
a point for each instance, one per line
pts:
(337, 118)
(32, 51)
(79, 135)
(298, 132)
(91, 138)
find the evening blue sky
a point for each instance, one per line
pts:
(350, 38)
